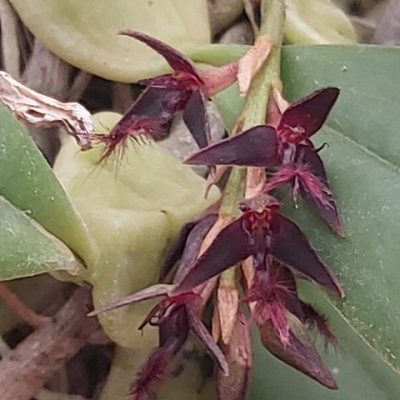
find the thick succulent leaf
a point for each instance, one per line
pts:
(317, 22)
(362, 163)
(26, 249)
(134, 209)
(256, 147)
(86, 36)
(27, 181)
(310, 112)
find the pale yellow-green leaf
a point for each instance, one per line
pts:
(134, 210)
(84, 32)
(317, 22)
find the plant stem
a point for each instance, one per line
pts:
(256, 104)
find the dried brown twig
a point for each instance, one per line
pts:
(25, 369)
(24, 312)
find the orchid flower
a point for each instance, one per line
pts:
(185, 89)
(286, 147)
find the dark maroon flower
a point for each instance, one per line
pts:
(172, 335)
(288, 147)
(274, 294)
(275, 308)
(185, 89)
(264, 234)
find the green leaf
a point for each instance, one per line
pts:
(26, 249)
(84, 33)
(27, 181)
(362, 162)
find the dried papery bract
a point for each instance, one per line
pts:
(239, 356)
(42, 111)
(252, 61)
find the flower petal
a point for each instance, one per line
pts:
(257, 147)
(176, 327)
(291, 247)
(174, 58)
(199, 329)
(324, 206)
(148, 293)
(298, 352)
(174, 255)
(229, 247)
(196, 118)
(252, 61)
(193, 245)
(308, 114)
